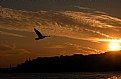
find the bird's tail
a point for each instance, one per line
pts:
(36, 38)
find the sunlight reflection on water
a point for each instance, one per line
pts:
(69, 75)
(115, 77)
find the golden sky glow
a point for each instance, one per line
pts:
(75, 26)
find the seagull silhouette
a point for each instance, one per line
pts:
(40, 36)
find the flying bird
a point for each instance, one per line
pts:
(40, 36)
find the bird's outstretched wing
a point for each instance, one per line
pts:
(38, 33)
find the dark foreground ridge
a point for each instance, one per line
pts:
(108, 61)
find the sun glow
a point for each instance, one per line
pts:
(115, 45)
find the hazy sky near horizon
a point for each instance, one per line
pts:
(75, 27)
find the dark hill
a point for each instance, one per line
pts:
(108, 61)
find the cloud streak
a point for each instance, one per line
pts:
(10, 34)
(77, 25)
(6, 50)
(82, 49)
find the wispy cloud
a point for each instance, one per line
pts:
(85, 8)
(83, 49)
(56, 47)
(101, 34)
(10, 34)
(90, 10)
(6, 49)
(10, 54)
(78, 25)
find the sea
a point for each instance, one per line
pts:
(67, 75)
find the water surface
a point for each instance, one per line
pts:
(69, 75)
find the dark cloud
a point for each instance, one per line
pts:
(110, 6)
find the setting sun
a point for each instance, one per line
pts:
(114, 46)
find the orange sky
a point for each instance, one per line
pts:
(77, 30)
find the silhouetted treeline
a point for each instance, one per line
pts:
(108, 61)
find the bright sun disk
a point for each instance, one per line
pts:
(114, 45)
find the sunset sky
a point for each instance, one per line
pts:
(75, 26)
